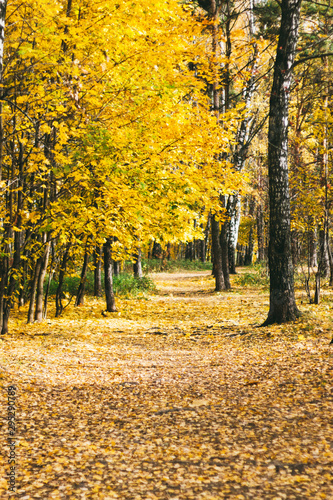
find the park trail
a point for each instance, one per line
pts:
(176, 396)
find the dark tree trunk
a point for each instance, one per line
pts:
(312, 243)
(217, 255)
(48, 285)
(98, 272)
(189, 251)
(22, 292)
(317, 289)
(82, 286)
(3, 6)
(62, 272)
(157, 251)
(108, 281)
(116, 267)
(33, 289)
(10, 281)
(249, 249)
(240, 255)
(224, 254)
(168, 251)
(40, 284)
(323, 258)
(331, 260)
(202, 250)
(260, 233)
(204, 242)
(137, 265)
(250, 245)
(282, 296)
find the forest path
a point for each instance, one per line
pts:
(176, 397)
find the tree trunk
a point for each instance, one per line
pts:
(40, 284)
(46, 296)
(189, 251)
(98, 272)
(330, 255)
(157, 251)
(3, 7)
(249, 249)
(116, 267)
(217, 255)
(9, 279)
(260, 233)
(282, 296)
(204, 242)
(250, 245)
(233, 227)
(32, 303)
(240, 255)
(168, 251)
(137, 265)
(82, 286)
(62, 272)
(108, 281)
(317, 290)
(224, 255)
(323, 258)
(312, 243)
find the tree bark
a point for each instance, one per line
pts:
(51, 273)
(40, 283)
(108, 281)
(81, 289)
(250, 245)
(323, 258)
(217, 255)
(62, 272)
(249, 249)
(157, 251)
(98, 272)
(3, 7)
(240, 255)
(32, 303)
(137, 265)
(224, 255)
(116, 267)
(260, 233)
(233, 228)
(312, 250)
(282, 296)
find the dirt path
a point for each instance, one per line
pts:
(176, 397)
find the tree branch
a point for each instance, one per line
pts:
(304, 59)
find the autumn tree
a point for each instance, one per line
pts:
(282, 298)
(106, 143)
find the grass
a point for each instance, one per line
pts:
(255, 275)
(124, 285)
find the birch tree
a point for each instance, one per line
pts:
(282, 297)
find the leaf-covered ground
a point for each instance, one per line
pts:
(174, 397)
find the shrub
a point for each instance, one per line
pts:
(124, 284)
(257, 276)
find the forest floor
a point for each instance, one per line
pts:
(176, 396)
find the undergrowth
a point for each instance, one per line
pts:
(124, 285)
(256, 275)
